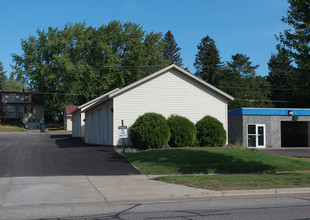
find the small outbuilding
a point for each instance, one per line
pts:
(171, 90)
(68, 117)
(78, 116)
(270, 127)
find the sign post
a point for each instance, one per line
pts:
(122, 133)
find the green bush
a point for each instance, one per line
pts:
(210, 132)
(150, 130)
(183, 131)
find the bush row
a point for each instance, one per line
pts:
(152, 130)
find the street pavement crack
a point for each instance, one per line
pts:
(105, 199)
(6, 193)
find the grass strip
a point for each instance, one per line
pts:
(9, 128)
(202, 160)
(241, 182)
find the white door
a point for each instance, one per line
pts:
(257, 136)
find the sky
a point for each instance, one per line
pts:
(236, 26)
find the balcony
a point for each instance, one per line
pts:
(12, 98)
(13, 114)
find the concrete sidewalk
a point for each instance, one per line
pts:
(21, 191)
(34, 192)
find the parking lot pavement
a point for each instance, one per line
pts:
(57, 155)
(293, 152)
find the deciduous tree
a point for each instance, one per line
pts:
(78, 63)
(3, 78)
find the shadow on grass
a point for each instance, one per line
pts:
(185, 161)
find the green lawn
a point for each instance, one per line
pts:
(241, 182)
(212, 160)
(11, 127)
(19, 127)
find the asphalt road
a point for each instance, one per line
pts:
(264, 207)
(57, 155)
(293, 152)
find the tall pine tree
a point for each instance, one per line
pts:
(240, 80)
(171, 50)
(297, 41)
(281, 78)
(208, 62)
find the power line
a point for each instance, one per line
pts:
(258, 100)
(232, 87)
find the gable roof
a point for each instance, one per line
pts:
(70, 108)
(93, 101)
(118, 92)
(181, 70)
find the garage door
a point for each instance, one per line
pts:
(294, 134)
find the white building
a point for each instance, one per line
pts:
(68, 117)
(171, 90)
(78, 116)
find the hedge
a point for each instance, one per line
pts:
(183, 131)
(210, 132)
(150, 130)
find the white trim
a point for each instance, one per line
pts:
(256, 135)
(87, 105)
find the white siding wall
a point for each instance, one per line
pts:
(68, 123)
(82, 125)
(76, 124)
(169, 93)
(99, 128)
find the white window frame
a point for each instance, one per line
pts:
(256, 135)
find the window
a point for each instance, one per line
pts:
(29, 120)
(256, 135)
(17, 97)
(17, 108)
(6, 98)
(26, 98)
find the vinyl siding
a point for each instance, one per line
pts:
(169, 93)
(76, 124)
(68, 123)
(97, 120)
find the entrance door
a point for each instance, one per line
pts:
(256, 136)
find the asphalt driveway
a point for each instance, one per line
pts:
(292, 152)
(57, 155)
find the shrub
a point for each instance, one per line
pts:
(150, 130)
(210, 132)
(183, 131)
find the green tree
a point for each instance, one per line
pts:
(78, 63)
(3, 78)
(297, 41)
(171, 50)
(281, 77)
(208, 62)
(239, 79)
